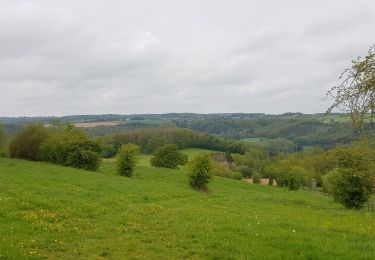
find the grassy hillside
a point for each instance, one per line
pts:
(58, 212)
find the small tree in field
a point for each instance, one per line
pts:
(257, 177)
(200, 172)
(83, 158)
(127, 159)
(2, 140)
(27, 143)
(352, 182)
(168, 156)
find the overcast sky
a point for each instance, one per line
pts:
(157, 56)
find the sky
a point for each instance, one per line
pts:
(209, 56)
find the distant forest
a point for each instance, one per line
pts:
(287, 132)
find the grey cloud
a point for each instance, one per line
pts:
(86, 57)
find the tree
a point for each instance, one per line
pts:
(257, 177)
(2, 140)
(27, 143)
(154, 143)
(200, 171)
(83, 158)
(109, 150)
(71, 147)
(356, 92)
(288, 174)
(168, 156)
(352, 181)
(126, 159)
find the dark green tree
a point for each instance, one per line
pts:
(168, 156)
(2, 139)
(27, 143)
(72, 147)
(200, 171)
(352, 182)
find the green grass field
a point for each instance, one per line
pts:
(55, 212)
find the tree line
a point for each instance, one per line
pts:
(150, 139)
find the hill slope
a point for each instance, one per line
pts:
(58, 212)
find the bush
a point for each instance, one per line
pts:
(245, 170)
(293, 177)
(352, 182)
(155, 142)
(83, 158)
(222, 170)
(168, 156)
(327, 186)
(236, 175)
(72, 147)
(2, 141)
(126, 159)
(200, 172)
(26, 144)
(108, 150)
(257, 177)
(350, 188)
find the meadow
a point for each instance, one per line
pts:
(55, 212)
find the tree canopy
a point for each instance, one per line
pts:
(126, 159)
(168, 156)
(356, 92)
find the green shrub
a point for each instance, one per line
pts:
(83, 158)
(126, 159)
(245, 170)
(27, 143)
(72, 147)
(352, 182)
(168, 156)
(257, 177)
(327, 186)
(3, 153)
(108, 150)
(219, 169)
(236, 175)
(155, 142)
(2, 142)
(293, 177)
(200, 171)
(222, 170)
(350, 188)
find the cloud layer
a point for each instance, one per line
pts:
(93, 57)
